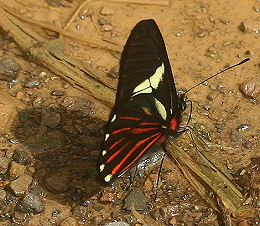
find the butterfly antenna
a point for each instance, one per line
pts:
(243, 61)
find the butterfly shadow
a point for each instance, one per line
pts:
(64, 147)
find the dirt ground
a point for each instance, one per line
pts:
(50, 131)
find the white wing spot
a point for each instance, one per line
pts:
(113, 119)
(152, 82)
(102, 167)
(104, 152)
(107, 136)
(160, 108)
(108, 177)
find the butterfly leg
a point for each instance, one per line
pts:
(190, 111)
(159, 172)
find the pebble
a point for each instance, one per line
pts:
(2, 194)
(22, 156)
(8, 69)
(107, 27)
(30, 204)
(50, 118)
(57, 184)
(32, 83)
(21, 185)
(212, 95)
(202, 33)
(107, 196)
(16, 169)
(236, 136)
(57, 93)
(4, 164)
(81, 211)
(137, 198)
(70, 221)
(106, 11)
(38, 191)
(104, 21)
(250, 88)
(243, 127)
(118, 223)
(173, 221)
(250, 25)
(85, 12)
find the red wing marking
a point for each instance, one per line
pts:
(142, 130)
(130, 118)
(117, 152)
(121, 130)
(149, 124)
(173, 124)
(154, 138)
(116, 143)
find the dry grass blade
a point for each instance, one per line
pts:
(143, 2)
(208, 177)
(50, 55)
(107, 44)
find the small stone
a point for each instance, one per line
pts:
(57, 184)
(236, 136)
(8, 69)
(202, 33)
(248, 145)
(227, 43)
(3, 164)
(21, 185)
(107, 196)
(137, 198)
(50, 118)
(70, 221)
(243, 127)
(16, 169)
(250, 88)
(250, 26)
(225, 21)
(57, 93)
(212, 95)
(32, 83)
(80, 211)
(106, 11)
(2, 194)
(173, 221)
(107, 27)
(30, 204)
(104, 21)
(22, 156)
(85, 12)
(118, 223)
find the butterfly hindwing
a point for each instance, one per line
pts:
(146, 101)
(130, 133)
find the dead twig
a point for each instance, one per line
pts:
(109, 45)
(50, 55)
(143, 2)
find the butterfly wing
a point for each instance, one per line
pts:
(145, 103)
(145, 57)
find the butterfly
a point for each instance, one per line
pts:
(147, 107)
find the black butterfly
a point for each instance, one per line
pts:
(147, 106)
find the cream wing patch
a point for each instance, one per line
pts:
(152, 82)
(160, 108)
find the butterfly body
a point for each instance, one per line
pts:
(147, 107)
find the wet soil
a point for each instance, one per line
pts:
(50, 132)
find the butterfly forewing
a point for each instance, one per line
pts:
(145, 103)
(144, 55)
